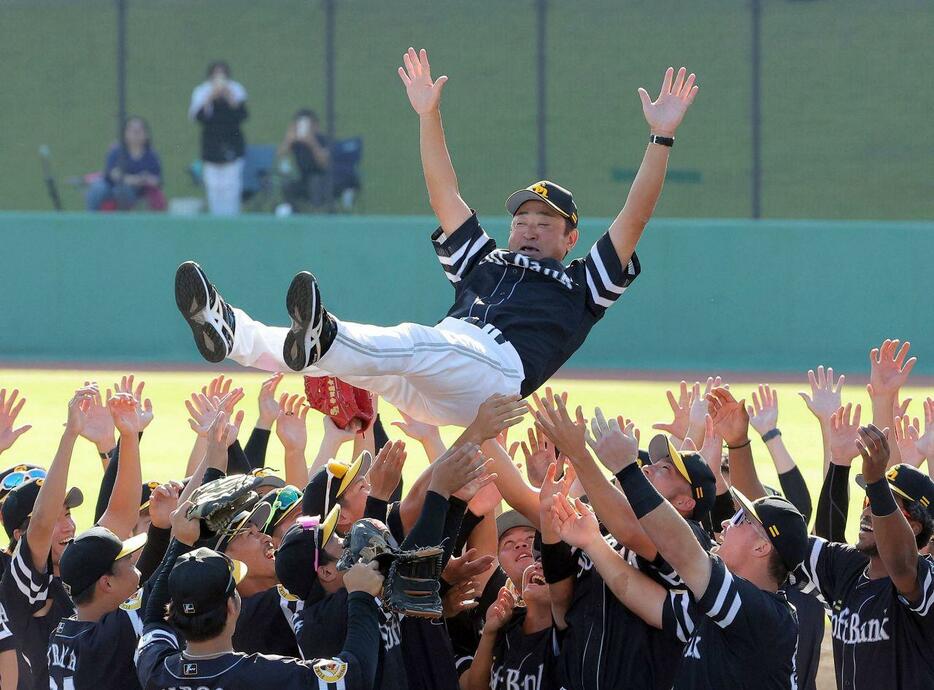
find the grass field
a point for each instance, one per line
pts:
(167, 442)
(829, 105)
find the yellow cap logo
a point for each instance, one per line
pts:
(539, 189)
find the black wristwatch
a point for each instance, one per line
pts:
(664, 141)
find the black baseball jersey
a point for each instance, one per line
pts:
(736, 635)
(321, 627)
(529, 662)
(880, 640)
(27, 590)
(265, 623)
(811, 618)
(542, 307)
(6, 635)
(464, 628)
(96, 654)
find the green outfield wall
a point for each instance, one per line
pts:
(715, 295)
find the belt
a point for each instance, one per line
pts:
(486, 328)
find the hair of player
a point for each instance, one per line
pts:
(86, 596)
(219, 64)
(306, 112)
(201, 626)
(777, 569)
(921, 515)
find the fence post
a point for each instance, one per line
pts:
(329, 11)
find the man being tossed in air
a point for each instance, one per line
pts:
(519, 312)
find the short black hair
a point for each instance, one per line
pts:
(201, 626)
(218, 64)
(86, 596)
(306, 112)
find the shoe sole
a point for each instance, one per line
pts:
(191, 297)
(303, 304)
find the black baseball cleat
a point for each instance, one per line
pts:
(211, 319)
(312, 330)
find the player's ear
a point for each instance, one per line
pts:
(683, 503)
(571, 238)
(327, 573)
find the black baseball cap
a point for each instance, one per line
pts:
(910, 483)
(693, 468)
(20, 502)
(556, 196)
(297, 556)
(91, 554)
(146, 495)
(202, 580)
(330, 483)
(784, 524)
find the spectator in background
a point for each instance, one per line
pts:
(132, 172)
(219, 104)
(310, 155)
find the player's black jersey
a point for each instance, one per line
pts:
(736, 635)
(811, 617)
(6, 635)
(880, 640)
(96, 654)
(265, 623)
(542, 307)
(25, 590)
(525, 661)
(321, 627)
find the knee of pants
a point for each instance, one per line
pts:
(125, 196)
(97, 194)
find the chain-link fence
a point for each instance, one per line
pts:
(808, 108)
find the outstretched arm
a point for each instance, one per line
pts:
(425, 97)
(663, 116)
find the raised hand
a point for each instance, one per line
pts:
(124, 409)
(466, 567)
(539, 453)
(424, 94)
(553, 487)
(218, 387)
(186, 530)
(9, 410)
(681, 409)
(674, 98)
(925, 444)
(290, 422)
(416, 430)
(825, 397)
(162, 503)
(78, 408)
(364, 578)
(712, 450)
(552, 416)
(576, 523)
(730, 418)
(99, 424)
(144, 406)
(459, 598)
(386, 471)
(486, 499)
(614, 442)
(888, 368)
(458, 467)
(906, 438)
(500, 612)
(266, 401)
(873, 445)
(698, 413)
(496, 413)
(843, 435)
(763, 413)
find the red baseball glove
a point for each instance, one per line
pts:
(340, 401)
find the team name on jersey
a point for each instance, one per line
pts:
(504, 257)
(390, 632)
(62, 656)
(584, 563)
(849, 628)
(513, 679)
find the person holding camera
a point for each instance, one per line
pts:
(306, 150)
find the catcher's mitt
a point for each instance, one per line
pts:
(339, 400)
(217, 502)
(410, 578)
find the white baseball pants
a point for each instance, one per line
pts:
(223, 184)
(436, 374)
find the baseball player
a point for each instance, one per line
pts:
(519, 312)
(202, 587)
(880, 593)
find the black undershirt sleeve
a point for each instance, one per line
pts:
(157, 542)
(210, 474)
(237, 462)
(159, 594)
(255, 450)
(429, 528)
(107, 483)
(830, 521)
(722, 510)
(362, 641)
(468, 525)
(452, 526)
(795, 490)
(375, 508)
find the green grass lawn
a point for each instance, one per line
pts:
(168, 440)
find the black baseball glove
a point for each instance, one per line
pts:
(410, 584)
(217, 502)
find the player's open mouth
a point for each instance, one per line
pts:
(270, 552)
(523, 556)
(525, 249)
(865, 527)
(537, 580)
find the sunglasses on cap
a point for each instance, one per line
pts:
(14, 479)
(286, 498)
